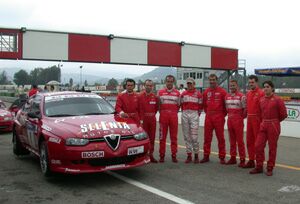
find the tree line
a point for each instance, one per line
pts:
(37, 76)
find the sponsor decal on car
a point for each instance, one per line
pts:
(53, 161)
(55, 140)
(72, 170)
(115, 166)
(94, 154)
(103, 125)
(70, 118)
(62, 97)
(135, 150)
(46, 127)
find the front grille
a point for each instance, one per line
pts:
(127, 137)
(112, 161)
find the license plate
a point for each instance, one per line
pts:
(135, 150)
(95, 154)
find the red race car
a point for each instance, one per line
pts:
(6, 118)
(74, 132)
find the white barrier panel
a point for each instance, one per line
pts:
(129, 51)
(43, 45)
(196, 56)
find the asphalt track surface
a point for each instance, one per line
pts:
(22, 182)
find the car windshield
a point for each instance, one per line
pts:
(76, 105)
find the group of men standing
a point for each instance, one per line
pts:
(263, 109)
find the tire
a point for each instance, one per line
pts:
(44, 159)
(18, 149)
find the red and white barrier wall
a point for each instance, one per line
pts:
(47, 45)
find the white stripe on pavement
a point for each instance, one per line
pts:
(150, 189)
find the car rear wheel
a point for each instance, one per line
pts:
(18, 149)
(44, 159)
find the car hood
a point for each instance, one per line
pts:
(95, 126)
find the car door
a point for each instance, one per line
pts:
(22, 118)
(33, 123)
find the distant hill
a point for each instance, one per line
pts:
(157, 74)
(65, 77)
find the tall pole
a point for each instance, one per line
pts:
(59, 66)
(80, 76)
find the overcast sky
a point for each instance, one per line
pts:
(267, 33)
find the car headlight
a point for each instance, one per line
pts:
(141, 136)
(7, 118)
(76, 142)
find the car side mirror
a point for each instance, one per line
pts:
(34, 115)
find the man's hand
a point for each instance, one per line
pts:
(124, 115)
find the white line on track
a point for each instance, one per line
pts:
(150, 189)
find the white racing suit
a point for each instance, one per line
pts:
(190, 126)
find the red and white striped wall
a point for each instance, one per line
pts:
(47, 45)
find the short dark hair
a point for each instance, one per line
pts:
(148, 80)
(253, 77)
(130, 80)
(270, 83)
(213, 76)
(170, 76)
(34, 86)
(234, 81)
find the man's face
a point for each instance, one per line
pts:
(233, 87)
(268, 89)
(129, 87)
(169, 82)
(190, 86)
(148, 86)
(213, 82)
(252, 84)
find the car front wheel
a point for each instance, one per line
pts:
(44, 159)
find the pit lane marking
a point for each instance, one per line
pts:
(216, 153)
(150, 189)
(289, 189)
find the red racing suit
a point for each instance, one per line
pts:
(32, 92)
(128, 103)
(236, 110)
(273, 111)
(253, 119)
(148, 108)
(214, 107)
(168, 118)
(191, 106)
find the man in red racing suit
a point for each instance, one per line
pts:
(169, 99)
(127, 105)
(215, 110)
(148, 108)
(273, 111)
(236, 110)
(253, 118)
